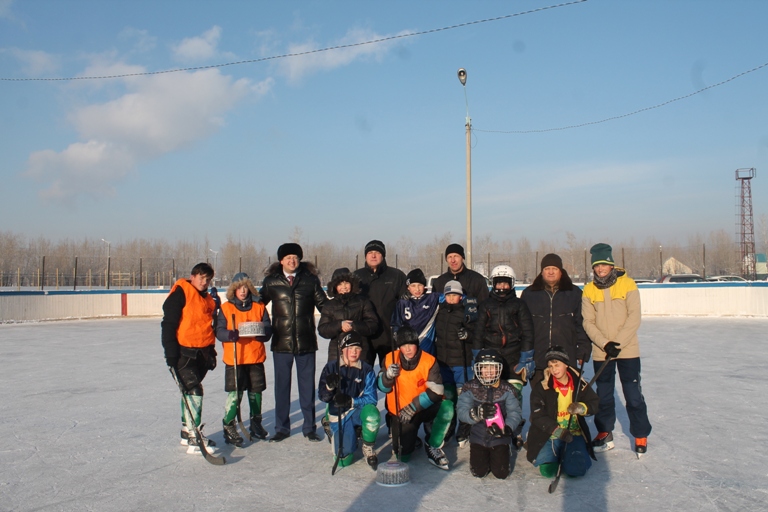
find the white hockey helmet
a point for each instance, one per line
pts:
(503, 272)
(488, 366)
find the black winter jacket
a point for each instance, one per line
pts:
(293, 308)
(450, 318)
(383, 288)
(473, 283)
(544, 413)
(349, 306)
(557, 320)
(504, 323)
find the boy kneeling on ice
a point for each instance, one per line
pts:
(558, 430)
(348, 386)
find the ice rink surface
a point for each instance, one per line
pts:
(90, 421)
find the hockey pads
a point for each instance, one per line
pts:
(406, 413)
(612, 349)
(577, 408)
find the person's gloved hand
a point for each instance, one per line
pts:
(342, 401)
(612, 349)
(393, 371)
(332, 381)
(406, 413)
(233, 335)
(577, 408)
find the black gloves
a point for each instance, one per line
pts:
(172, 361)
(342, 401)
(463, 334)
(233, 335)
(332, 381)
(612, 349)
(484, 411)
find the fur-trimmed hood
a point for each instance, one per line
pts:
(340, 277)
(237, 284)
(565, 283)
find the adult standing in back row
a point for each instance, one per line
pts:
(611, 311)
(294, 289)
(383, 285)
(473, 283)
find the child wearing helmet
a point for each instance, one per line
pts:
(559, 433)
(492, 407)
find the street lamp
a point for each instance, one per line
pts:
(215, 258)
(109, 260)
(462, 74)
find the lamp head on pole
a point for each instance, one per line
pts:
(462, 76)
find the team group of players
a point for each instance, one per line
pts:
(453, 362)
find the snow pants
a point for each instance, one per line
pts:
(575, 456)
(629, 374)
(437, 416)
(484, 460)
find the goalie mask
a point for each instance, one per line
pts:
(488, 366)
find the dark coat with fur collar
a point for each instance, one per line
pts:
(557, 320)
(347, 306)
(293, 307)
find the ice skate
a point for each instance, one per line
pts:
(641, 446)
(436, 456)
(370, 455)
(256, 430)
(231, 436)
(603, 442)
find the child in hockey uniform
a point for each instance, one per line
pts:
(190, 345)
(504, 323)
(411, 379)
(558, 430)
(348, 386)
(347, 311)
(418, 310)
(453, 332)
(244, 306)
(492, 408)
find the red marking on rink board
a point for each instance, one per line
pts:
(124, 304)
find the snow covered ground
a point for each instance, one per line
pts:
(90, 421)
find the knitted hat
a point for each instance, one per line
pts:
(287, 249)
(455, 249)
(558, 353)
(601, 253)
(453, 287)
(551, 260)
(376, 245)
(406, 335)
(350, 339)
(415, 276)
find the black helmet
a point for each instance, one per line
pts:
(485, 359)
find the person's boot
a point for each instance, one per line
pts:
(256, 430)
(603, 442)
(231, 436)
(370, 455)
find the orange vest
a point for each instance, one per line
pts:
(409, 384)
(196, 325)
(249, 351)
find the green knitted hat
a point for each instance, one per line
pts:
(601, 253)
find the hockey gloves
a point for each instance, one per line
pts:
(406, 413)
(496, 431)
(332, 381)
(577, 408)
(525, 367)
(562, 434)
(484, 411)
(342, 401)
(233, 335)
(393, 371)
(612, 349)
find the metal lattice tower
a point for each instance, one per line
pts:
(746, 222)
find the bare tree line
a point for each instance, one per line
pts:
(151, 263)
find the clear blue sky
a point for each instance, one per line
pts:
(369, 142)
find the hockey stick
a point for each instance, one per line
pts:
(237, 386)
(340, 430)
(396, 419)
(216, 461)
(577, 388)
